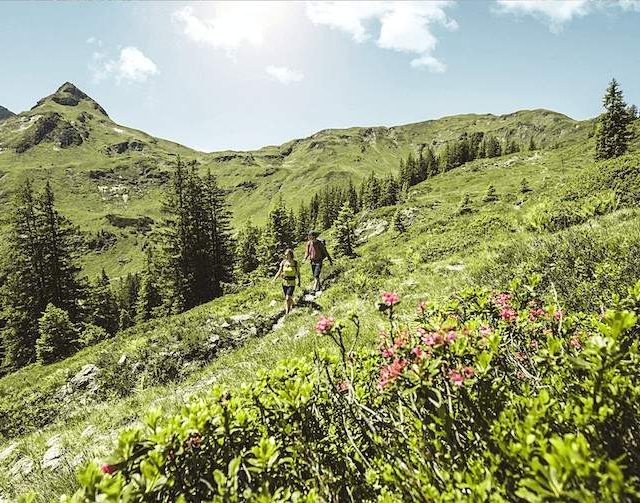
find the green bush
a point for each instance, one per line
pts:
(57, 335)
(92, 334)
(492, 396)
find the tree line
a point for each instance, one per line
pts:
(48, 312)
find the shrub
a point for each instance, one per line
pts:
(57, 335)
(92, 334)
(492, 396)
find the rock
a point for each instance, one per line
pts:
(371, 228)
(455, 267)
(52, 457)
(86, 379)
(302, 332)
(55, 439)
(8, 452)
(122, 359)
(241, 318)
(22, 468)
(89, 431)
(273, 303)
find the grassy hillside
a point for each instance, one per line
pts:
(108, 176)
(54, 418)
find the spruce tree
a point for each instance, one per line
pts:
(465, 205)
(247, 247)
(524, 186)
(43, 270)
(56, 335)
(613, 132)
(490, 195)
(344, 232)
(352, 197)
(101, 306)
(397, 223)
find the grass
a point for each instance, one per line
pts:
(441, 252)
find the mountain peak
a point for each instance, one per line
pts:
(70, 95)
(5, 113)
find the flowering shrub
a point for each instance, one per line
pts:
(463, 404)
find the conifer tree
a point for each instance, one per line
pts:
(101, 305)
(247, 247)
(390, 192)
(352, 197)
(126, 297)
(532, 144)
(490, 195)
(524, 186)
(465, 205)
(492, 147)
(613, 133)
(344, 231)
(43, 270)
(149, 299)
(56, 335)
(397, 223)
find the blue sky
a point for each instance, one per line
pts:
(219, 76)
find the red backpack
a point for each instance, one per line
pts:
(317, 250)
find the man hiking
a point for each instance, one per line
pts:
(316, 252)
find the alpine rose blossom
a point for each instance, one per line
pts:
(419, 353)
(456, 377)
(325, 324)
(390, 298)
(106, 468)
(342, 386)
(557, 315)
(450, 336)
(468, 372)
(422, 307)
(485, 331)
(508, 314)
(575, 342)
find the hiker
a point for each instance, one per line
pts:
(289, 271)
(316, 253)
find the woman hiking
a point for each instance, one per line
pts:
(289, 271)
(316, 252)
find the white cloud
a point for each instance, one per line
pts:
(284, 74)
(558, 12)
(233, 24)
(404, 26)
(131, 66)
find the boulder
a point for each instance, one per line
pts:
(86, 378)
(52, 457)
(8, 452)
(22, 468)
(371, 228)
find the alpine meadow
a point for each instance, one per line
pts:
(444, 310)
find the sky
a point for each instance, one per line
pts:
(217, 76)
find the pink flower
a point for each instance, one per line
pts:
(325, 324)
(502, 300)
(422, 307)
(388, 352)
(520, 355)
(534, 344)
(575, 342)
(419, 353)
(429, 339)
(468, 372)
(390, 298)
(557, 315)
(485, 331)
(390, 372)
(106, 468)
(508, 314)
(342, 386)
(450, 336)
(535, 313)
(456, 377)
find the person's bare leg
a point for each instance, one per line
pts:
(289, 304)
(286, 305)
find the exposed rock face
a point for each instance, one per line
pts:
(52, 458)
(84, 383)
(370, 228)
(123, 147)
(69, 95)
(52, 128)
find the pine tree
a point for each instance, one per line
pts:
(57, 335)
(269, 251)
(490, 195)
(524, 186)
(344, 232)
(397, 223)
(101, 305)
(492, 147)
(532, 144)
(43, 270)
(613, 133)
(149, 298)
(633, 112)
(465, 205)
(390, 192)
(247, 247)
(352, 197)
(126, 297)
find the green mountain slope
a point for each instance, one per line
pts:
(108, 176)
(587, 253)
(5, 113)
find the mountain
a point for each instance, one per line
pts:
(110, 177)
(5, 113)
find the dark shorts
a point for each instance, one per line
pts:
(288, 290)
(316, 267)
